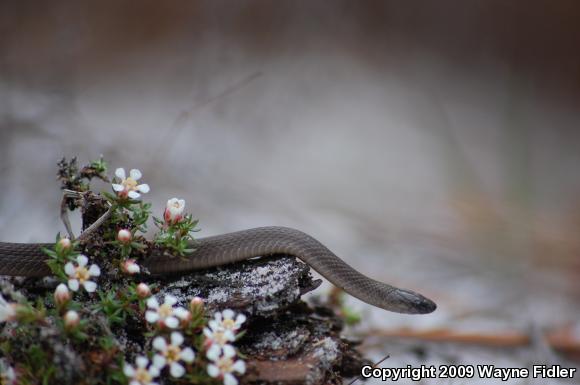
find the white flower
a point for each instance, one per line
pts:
(7, 310)
(128, 186)
(80, 275)
(171, 354)
(164, 315)
(130, 267)
(143, 291)
(141, 375)
(124, 236)
(216, 339)
(174, 210)
(225, 320)
(223, 366)
(71, 319)
(7, 375)
(61, 295)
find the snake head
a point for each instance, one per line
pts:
(409, 302)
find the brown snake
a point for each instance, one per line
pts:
(27, 259)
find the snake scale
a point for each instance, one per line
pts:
(27, 259)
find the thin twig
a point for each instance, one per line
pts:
(66, 193)
(496, 339)
(374, 366)
(96, 224)
(64, 217)
(562, 339)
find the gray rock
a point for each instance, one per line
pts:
(286, 341)
(259, 287)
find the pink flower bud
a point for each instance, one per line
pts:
(61, 295)
(124, 236)
(130, 267)
(64, 244)
(71, 319)
(174, 210)
(143, 291)
(196, 304)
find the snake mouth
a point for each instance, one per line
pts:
(415, 303)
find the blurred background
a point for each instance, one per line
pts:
(432, 145)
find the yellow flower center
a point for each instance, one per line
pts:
(226, 365)
(143, 376)
(130, 184)
(220, 337)
(229, 324)
(165, 311)
(172, 354)
(82, 274)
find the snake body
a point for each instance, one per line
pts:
(27, 259)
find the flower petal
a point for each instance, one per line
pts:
(135, 382)
(239, 366)
(120, 173)
(135, 174)
(128, 370)
(153, 371)
(229, 379)
(153, 303)
(73, 284)
(215, 325)
(142, 361)
(240, 319)
(82, 260)
(176, 370)
(181, 313)
(90, 286)
(133, 194)
(187, 355)
(213, 370)
(69, 269)
(118, 187)
(144, 188)
(229, 351)
(159, 361)
(228, 314)
(170, 300)
(176, 338)
(151, 316)
(171, 322)
(94, 270)
(160, 344)
(213, 353)
(229, 335)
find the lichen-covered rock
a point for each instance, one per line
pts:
(301, 345)
(286, 341)
(259, 287)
